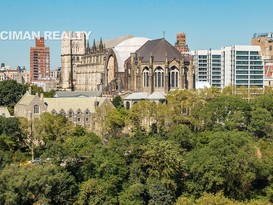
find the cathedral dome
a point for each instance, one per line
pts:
(126, 47)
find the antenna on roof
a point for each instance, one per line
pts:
(163, 34)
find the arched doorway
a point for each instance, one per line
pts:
(111, 69)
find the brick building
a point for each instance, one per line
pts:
(181, 44)
(39, 60)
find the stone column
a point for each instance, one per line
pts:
(151, 75)
(181, 74)
(190, 77)
(133, 68)
(166, 81)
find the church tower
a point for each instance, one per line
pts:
(73, 49)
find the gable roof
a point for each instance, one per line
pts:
(74, 104)
(159, 49)
(26, 99)
(68, 94)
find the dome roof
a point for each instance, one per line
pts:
(126, 47)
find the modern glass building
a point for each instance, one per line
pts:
(243, 66)
(208, 67)
(232, 65)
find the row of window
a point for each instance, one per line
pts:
(251, 72)
(251, 81)
(246, 53)
(251, 76)
(159, 78)
(251, 67)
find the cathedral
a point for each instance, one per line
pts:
(123, 65)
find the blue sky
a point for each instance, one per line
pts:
(208, 23)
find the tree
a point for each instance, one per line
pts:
(133, 195)
(223, 111)
(40, 184)
(10, 127)
(117, 102)
(261, 123)
(222, 161)
(10, 93)
(216, 199)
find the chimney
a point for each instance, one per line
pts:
(42, 96)
(29, 90)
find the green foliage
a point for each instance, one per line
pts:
(222, 161)
(261, 122)
(201, 147)
(39, 184)
(10, 93)
(133, 195)
(117, 102)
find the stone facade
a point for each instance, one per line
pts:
(79, 110)
(30, 106)
(99, 67)
(158, 67)
(74, 49)
(89, 73)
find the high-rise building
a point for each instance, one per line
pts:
(39, 60)
(232, 65)
(243, 66)
(181, 44)
(208, 67)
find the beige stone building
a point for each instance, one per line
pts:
(79, 110)
(30, 106)
(71, 53)
(99, 67)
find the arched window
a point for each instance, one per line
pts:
(127, 105)
(159, 77)
(146, 77)
(36, 109)
(174, 77)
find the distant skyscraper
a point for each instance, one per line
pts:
(181, 43)
(39, 60)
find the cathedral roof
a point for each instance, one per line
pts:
(159, 49)
(111, 43)
(125, 48)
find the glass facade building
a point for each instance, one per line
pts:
(232, 65)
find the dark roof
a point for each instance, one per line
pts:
(159, 49)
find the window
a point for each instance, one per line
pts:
(36, 109)
(79, 119)
(146, 77)
(127, 105)
(241, 52)
(254, 53)
(174, 77)
(86, 119)
(159, 77)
